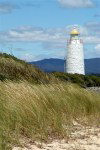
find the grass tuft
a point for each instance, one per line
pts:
(43, 111)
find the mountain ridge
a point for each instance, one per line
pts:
(92, 65)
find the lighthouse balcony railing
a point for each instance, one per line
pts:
(69, 41)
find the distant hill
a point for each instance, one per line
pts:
(92, 66)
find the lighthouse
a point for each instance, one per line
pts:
(75, 54)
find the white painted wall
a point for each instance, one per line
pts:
(75, 57)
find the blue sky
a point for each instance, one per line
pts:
(38, 29)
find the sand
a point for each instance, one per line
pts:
(83, 138)
(94, 89)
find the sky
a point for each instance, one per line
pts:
(38, 29)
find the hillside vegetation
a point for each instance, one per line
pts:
(81, 80)
(38, 106)
(42, 112)
(12, 68)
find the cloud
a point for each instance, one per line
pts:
(91, 39)
(76, 3)
(97, 15)
(29, 57)
(9, 7)
(94, 52)
(50, 37)
(6, 7)
(52, 40)
(93, 28)
(30, 3)
(32, 34)
(38, 34)
(97, 48)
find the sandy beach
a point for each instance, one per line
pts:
(83, 138)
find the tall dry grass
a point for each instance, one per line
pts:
(14, 69)
(43, 111)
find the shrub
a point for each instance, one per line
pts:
(82, 80)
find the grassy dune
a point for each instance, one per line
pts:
(36, 105)
(14, 69)
(41, 112)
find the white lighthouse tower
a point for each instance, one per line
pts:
(75, 55)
